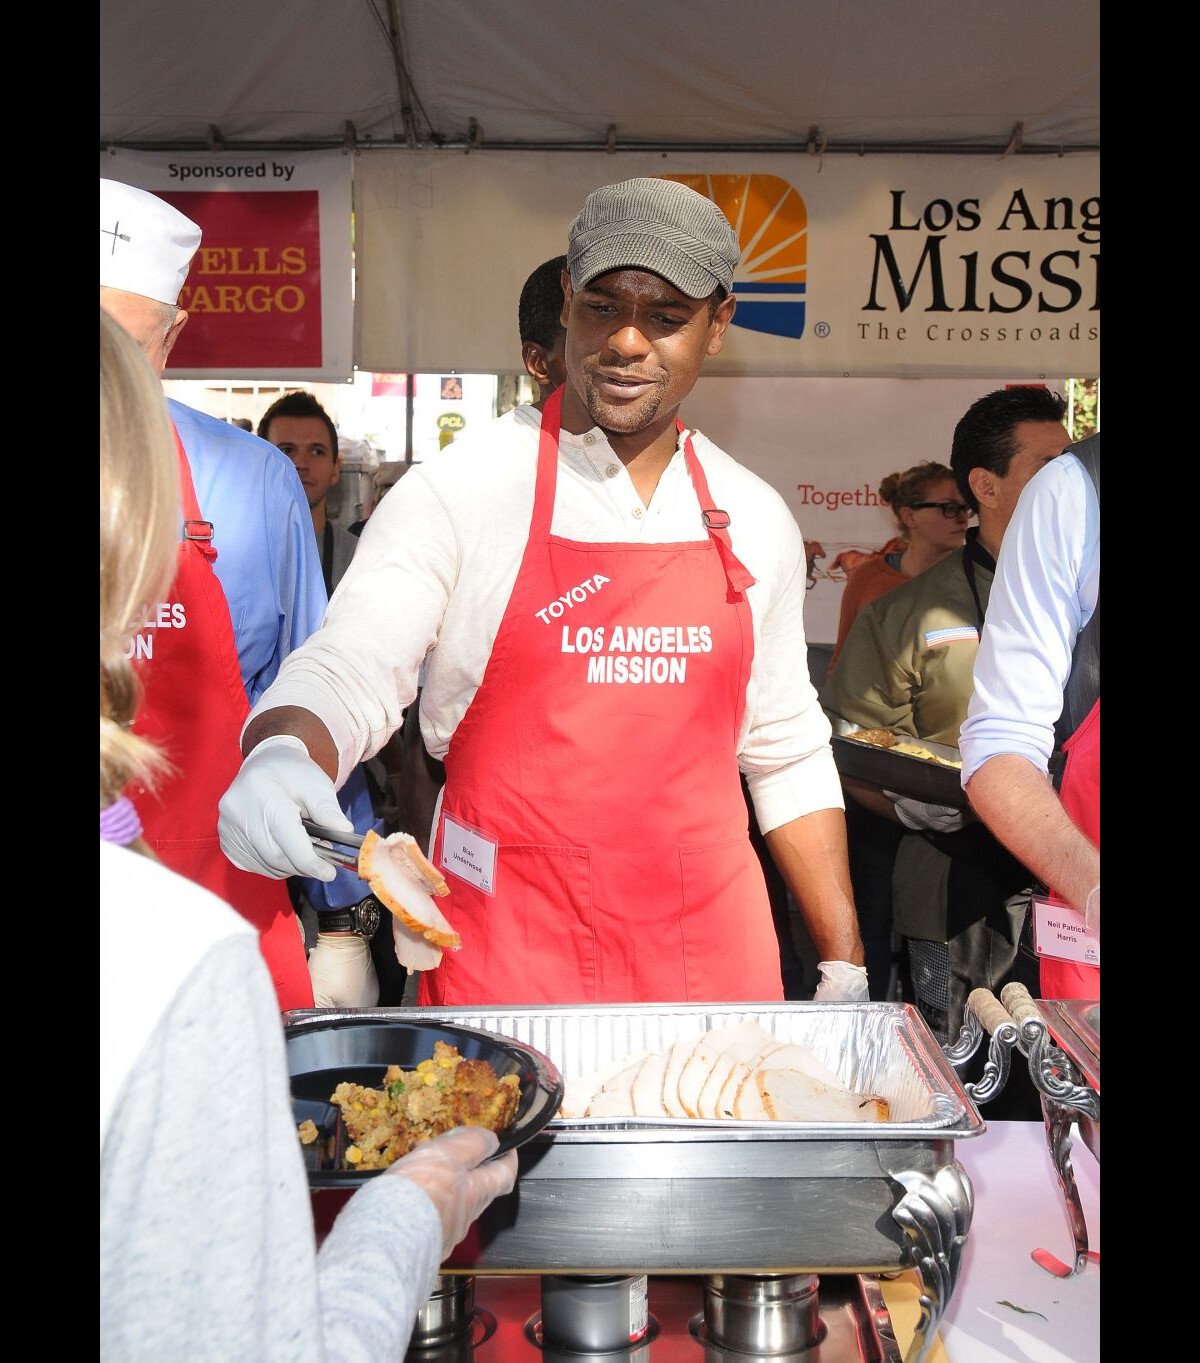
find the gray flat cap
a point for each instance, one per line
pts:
(656, 225)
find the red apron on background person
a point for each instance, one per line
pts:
(621, 870)
(1080, 795)
(193, 708)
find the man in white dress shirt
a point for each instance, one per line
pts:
(609, 611)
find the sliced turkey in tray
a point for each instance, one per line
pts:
(735, 1072)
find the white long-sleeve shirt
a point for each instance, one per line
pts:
(1045, 591)
(436, 566)
(207, 1249)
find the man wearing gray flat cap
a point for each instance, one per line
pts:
(608, 609)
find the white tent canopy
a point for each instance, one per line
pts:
(976, 101)
(860, 76)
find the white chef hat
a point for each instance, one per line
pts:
(146, 245)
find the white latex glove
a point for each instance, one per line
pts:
(1091, 911)
(342, 971)
(449, 1169)
(259, 815)
(919, 816)
(841, 982)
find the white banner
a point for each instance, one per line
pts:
(899, 266)
(269, 293)
(825, 445)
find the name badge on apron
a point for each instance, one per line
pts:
(469, 854)
(1060, 932)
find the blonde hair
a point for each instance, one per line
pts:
(911, 485)
(139, 531)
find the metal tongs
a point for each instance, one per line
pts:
(339, 849)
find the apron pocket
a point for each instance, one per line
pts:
(535, 941)
(730, 950)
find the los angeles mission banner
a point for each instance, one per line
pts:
(269, 290)
(870, 266)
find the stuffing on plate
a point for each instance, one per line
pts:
(443, 1092)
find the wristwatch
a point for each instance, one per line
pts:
(362, 918)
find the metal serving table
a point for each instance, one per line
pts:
(667, 1195)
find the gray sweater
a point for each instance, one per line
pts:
(207, 1250)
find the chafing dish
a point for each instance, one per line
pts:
(638, 1195)
(1075, 1026)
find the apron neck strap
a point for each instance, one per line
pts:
(547, 465)
(194, 527)
(716, 522)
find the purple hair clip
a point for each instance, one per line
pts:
(119, 823)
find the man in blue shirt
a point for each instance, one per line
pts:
(266, 561)
(246, 521)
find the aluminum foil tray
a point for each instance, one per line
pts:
(884, 1049)
(682, 1195)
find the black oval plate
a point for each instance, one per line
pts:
(324, 1052)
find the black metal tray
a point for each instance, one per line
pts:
(916, 777)
(323, 1052)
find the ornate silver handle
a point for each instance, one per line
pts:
(984, 1012)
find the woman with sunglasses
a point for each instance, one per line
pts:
(931, 519)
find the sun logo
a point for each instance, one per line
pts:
(771, 222)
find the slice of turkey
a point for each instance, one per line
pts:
(678, 1053)
(742, 1044)
(792, 1096)
(697, 1068)
(790, 1056)
(413, 950)
(745, 1100)
(615, 1098)
(402, 878)
(579, 1091)
(748, 1103)
(646, 1089)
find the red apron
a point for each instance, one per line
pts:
(1080, 794)
(193, 708)
(623, 867)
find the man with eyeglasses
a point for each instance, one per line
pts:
(907, 666)
(951, 510)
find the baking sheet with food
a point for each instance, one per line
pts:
(935, 779)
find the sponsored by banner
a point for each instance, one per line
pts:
(269, 289)
(870, 266)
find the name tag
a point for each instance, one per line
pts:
(469, 854)
(1061, 932)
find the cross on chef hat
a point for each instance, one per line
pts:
(146, 245)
